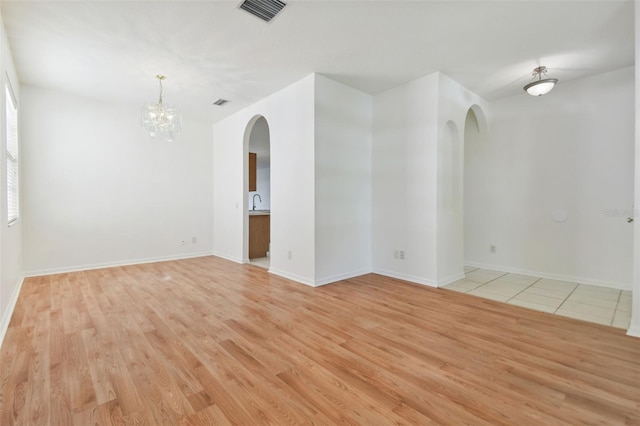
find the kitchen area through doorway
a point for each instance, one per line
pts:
(259, 194)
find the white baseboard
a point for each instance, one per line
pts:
(8, 313)
(340, 277)
(450, 279)
(77, 268)
(573, 279)
(405, 277)
(229, 257)
(634, 331)
(292, 277)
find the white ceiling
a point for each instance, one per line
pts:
(211, 49)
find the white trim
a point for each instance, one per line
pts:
(77, 268)
(573, 279)
(404, 277)
(634, 328)
(6, 317)
(450, 279)
(340, 277)
(292, 277)
(228, 257)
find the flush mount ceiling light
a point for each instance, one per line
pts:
(540, 87)
(160, 119)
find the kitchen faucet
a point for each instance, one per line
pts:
(254, 200)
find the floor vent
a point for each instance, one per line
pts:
(220, 102)
(263, 9)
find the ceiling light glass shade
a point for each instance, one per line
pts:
(540, 87)
(161, 120)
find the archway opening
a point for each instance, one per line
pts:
(257, 211)
(475, 191)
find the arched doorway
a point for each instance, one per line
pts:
(474, 193)
(257, 211)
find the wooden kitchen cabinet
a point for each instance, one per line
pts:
(253, 173)
(259, 235)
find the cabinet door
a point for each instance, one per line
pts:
(259, 235)
(253, 158)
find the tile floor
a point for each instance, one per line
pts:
(262, 262)
(601, 305)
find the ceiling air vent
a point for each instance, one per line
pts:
(220, 102)
(263, 9)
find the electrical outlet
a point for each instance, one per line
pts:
(492, 248)
(289, 255)
(401, 254)
(395, 254)
(194, 240)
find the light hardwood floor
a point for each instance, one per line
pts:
(207, 341)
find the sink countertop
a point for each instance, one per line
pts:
(259, 212)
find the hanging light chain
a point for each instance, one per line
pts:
(160, 77)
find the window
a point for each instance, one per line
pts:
(13, 189)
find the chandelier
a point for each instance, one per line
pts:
(541, 86)
(161, 120)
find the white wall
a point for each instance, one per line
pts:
(320, 193)
(289, 114)
(404, 167)
(454, 102)
(10, 237)
(634, 328)
(342, 181)
(570, 153)
(99, 191)
(450, 253)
